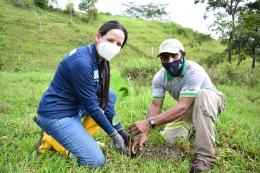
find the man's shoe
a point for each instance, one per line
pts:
(201, 166)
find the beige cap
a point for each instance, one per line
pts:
(171, 46)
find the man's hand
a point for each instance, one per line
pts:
(118, 141)
(140, 141)
(140, 127)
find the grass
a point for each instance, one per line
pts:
(30, 58)
(237, 135)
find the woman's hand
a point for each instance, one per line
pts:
(125, 136)
(118, 141)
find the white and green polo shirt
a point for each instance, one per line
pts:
(192, 78)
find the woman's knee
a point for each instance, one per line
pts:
(99, 161)
(94, 162)
(112, 96)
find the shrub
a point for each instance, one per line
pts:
(43, 4)
(141, 73)
(215, 59)
(20, 3)
(106, 13)
(230, 74)
(93, 13)
(84, 18)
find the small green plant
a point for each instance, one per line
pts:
(117, 83)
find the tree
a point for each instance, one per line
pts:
(70, 9)
(43, 4)
(146, 11)
(132, 10)
(224, 10)
(250, 19)
(239, 43)
(246, 39)
(85, 5)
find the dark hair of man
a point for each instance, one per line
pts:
(113, 24)
(182, 53)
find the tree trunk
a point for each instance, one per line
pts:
(39, 18)
(239, 59)
(239, 54)
(253, 56)
(70, 15)
(229, 55)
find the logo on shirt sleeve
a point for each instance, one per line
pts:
(96, 76)
(72, 52)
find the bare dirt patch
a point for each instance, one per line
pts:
(158, 151)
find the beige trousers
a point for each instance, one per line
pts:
(201, 117)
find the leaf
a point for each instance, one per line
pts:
(117, 83)
(116, 119)
(115, 73)
(121, 92)
(124, 91)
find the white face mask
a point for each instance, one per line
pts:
(108, 50)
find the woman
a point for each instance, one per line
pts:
(80, 87)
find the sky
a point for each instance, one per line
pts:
(182, 12)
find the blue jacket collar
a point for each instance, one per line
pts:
(94, 53)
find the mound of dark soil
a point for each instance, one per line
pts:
(159, 151)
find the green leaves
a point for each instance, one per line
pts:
(117, 83)
(85, 5)
(146, 11)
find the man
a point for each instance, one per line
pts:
(199, 104)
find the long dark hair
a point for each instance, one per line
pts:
(113, 24)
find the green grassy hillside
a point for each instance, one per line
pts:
(30, 49)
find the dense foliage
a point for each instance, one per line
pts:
(237, 24)
(149, 11)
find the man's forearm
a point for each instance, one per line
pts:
(153, 111)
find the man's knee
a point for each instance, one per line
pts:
(170, 134)
(201, 94)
